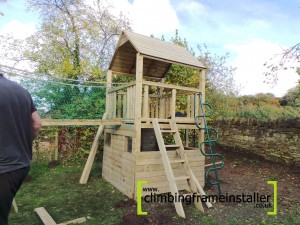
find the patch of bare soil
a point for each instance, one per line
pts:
(242, 174)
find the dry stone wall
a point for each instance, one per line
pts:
(277, 141)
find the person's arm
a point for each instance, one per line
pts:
(36, 124)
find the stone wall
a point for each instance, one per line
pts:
(277, 141)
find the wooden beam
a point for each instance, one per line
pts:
(162, 101)
(138, 101)
(173, 104)
(45, 217)
(108, 87)
(88, 165)
(202, 89)
(170, 61)
(146, 102)
(14, 204)
(48, 220)
(83, 122)
(171, 86)
(122, 87)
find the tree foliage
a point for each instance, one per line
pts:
(220, 87)
(66, 100)
(74, 39)
(288, 58)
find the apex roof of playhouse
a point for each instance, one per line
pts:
(158, 55)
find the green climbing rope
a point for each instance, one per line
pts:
(208, 133)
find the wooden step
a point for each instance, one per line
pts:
(168, 131)
(172, 146)
(177, 160)
(182, 178)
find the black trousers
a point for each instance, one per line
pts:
(9, 185)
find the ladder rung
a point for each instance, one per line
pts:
(182, 178)
(172, 146)
(168, 131)
(177, 160)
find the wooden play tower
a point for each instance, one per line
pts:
(146, 143)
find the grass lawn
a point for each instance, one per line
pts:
(59, 192)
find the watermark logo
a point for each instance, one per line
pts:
(261, 201)
(139, 189)
(274, 183)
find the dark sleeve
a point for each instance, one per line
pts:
(33, 108)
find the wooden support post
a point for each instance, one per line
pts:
(146, 102)
(193, 106)
(202, 90)
(138, 101)
(167, 107)
(128, 102)
(119, 105)
(114, 109)
(125, 106)
(162, 101)
(173, 104)
(88, 165)
(108, 99)
(133, 101)
(156, 107)
(188, 111)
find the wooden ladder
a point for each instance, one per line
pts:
(189, 176)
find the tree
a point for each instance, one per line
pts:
(74, 39)
(292, 97)
(290, 55)
(220, 86)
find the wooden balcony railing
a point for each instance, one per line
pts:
(159, 100)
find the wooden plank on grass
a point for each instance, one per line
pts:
(45, 217)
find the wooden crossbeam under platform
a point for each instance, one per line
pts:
(83, 122)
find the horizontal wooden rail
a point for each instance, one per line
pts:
(171, 86)
(83, 122)
(121, 87)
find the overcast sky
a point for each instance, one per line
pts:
(251, 31)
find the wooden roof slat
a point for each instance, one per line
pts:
(159, 55)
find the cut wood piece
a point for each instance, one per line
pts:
(48, 220)
(45, 217)
(76, 221)
(14, 204)
(88, 165)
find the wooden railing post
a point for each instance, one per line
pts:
(146, 102)
(162, 101)
(138, 102)
(202, 90)
(173, 104)
(108, 86)
(119, 97)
